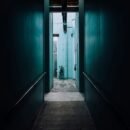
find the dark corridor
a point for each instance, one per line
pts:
(103, 60)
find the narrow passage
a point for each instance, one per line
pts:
(64, 109)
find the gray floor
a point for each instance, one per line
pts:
(64, 85)
(64, 109)
(64, 90)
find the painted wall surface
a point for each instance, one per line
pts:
(46, 43)
(76, 47)
(81, 45)
(62, 40)
(70, 52)
(51, 49)
(105, 40)
(71, 17)
(55, 42)
(27, 47)
(66, 43)
(22, 39)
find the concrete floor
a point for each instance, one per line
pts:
(64, 109)
(64, 90)
(64, 85)
(64, 116)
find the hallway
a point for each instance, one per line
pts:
(64, 109)
(98, 38)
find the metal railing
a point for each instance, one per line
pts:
(27, 92)
(110, 104)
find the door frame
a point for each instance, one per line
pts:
(47, 10)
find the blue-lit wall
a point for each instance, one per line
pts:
(62, 42)
(23, 62)
(76, 48)
(66, 55)
(105, 63)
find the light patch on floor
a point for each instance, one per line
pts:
(64, 90)
(64, 85)
(64, 96)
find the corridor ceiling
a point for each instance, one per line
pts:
(64, 6)
(60, 2)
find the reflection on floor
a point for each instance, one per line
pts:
(64, 109)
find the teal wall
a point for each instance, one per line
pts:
(51, 49)
(23, 62)
(81, 46)
(46, 45)
(27, 47)
(105, 40)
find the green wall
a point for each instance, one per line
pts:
(23, 62)
(81, 46)
(51, 49)
(26, 48)
(105, 39)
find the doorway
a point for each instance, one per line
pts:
(64, 47)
